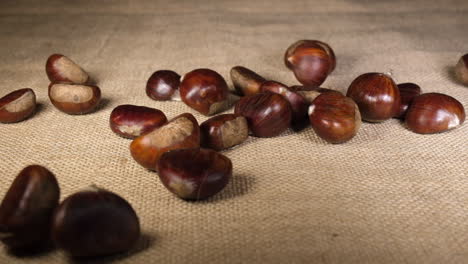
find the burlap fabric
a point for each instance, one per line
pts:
(387, 196)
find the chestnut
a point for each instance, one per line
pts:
(95, 222)
(163, 85)
(325, 46)
(407, 93)
(268, 114)
(27, 208)
(131, 121)
(205, 91)
(299, 104)
(17, 105)
(311, 61)
(334, 117)
(433, 113)
(461, 69)
(74, 99)
(61, 69)
(180, 132)
(194, 174)
(246, 81)
(377, 96)
(223, 131)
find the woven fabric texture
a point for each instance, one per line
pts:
(387, 196)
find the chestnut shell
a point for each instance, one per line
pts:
(74, 102)
(334, 117)
(61, 69)
(131, 121)
(268, 114)
(377, 96)
(194, 174)
(148, 148)
(94, 223)
(433, 113)
(162, 85)
(310, 61)
(246, 81)
(27, 208)
(223, 131)
(17, 105)
(204, 90)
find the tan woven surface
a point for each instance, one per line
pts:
(387, 196)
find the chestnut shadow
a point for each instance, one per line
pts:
(145, 241)
(36, 252)
(239, 185)
(450, 71)
(102, 104)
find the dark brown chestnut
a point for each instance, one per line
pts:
(95, 222)
(408, 91)
(131, 121)
(461, 69)
(268, 114)
(205, 91)
(246, 81)
(334, 117)
(17, 105)
(194, 174)
(27, 208)
(433, 113)
(325, 46)
(223, 131)
(163, 85)
(180, 132)
(377, 96)
(310, 60)
(61, 69)
(299, 104)
(74, 99)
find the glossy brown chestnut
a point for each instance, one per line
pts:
(299, 104)
(377, 96)
(95, 222)
(310, 60)
(223, 131)
(74, 99)
(408, 91)
(131, 121)
(268, 114)
(61, 69)
(433, 113)
(325, 46)
(181, 132)
(163, 85)
(17, 105)
(27, 208)
(461, 69)
(334, 117)
(205, 91)
(194, 174)
(246, 81)
(310, 93)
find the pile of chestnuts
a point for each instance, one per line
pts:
(89, 223)
(179, 149)
(185, 154)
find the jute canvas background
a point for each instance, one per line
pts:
(387, 196)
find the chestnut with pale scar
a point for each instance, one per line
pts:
(17, 105)
(181, 132)
(60, 68)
